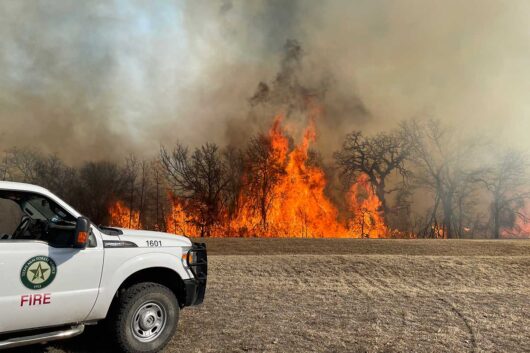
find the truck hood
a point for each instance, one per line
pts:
(146, 238)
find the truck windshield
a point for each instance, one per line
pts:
(41, 208)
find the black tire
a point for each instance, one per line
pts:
(138, 305)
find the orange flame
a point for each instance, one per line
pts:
(521, 228)
(438, 231)
(178, 222)
(123, 217)
(295, 206)
(298, 206)
(368, 220)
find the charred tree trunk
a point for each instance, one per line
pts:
(263, 213)
(381, 194)
(496, 220)
(379, 185)
(433, 230)
(448, 217)
(263, 205)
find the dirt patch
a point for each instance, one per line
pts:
(355, 303)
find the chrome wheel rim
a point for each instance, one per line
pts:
(149, 321)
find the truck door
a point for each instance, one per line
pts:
(43, 281)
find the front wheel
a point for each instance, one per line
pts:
(145, 318)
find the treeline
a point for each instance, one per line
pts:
(431, 182)
(451, 185)
(93, 186)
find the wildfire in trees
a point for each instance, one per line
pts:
(123, 217)
(296, 205)
(521, 227)
(283, 197)
(178, 221)
(368, 220)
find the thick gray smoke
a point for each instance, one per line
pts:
(101, 79)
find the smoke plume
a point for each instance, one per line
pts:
(102, 79)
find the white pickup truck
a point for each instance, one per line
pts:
(60, 272)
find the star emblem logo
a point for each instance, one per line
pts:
(38, 272)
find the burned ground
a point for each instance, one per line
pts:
(354, 296)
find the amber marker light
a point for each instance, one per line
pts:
(187, 258)
(82, 237)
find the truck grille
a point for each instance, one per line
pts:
(199, 261)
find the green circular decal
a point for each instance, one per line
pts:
(38, 272)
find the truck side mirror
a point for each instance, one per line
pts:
(82, 229)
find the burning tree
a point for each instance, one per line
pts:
(136, 179)
(235, 165)
(123, 216)
(368, 218)
(288, 193)
(199, 182)
(265, 162)
(280, 191)
(376, 158)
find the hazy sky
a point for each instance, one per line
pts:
(89, 79)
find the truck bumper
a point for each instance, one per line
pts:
(195, 288)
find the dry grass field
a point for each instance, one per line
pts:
(285, 295)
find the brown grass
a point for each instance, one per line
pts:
(426, 247)
(375, 296)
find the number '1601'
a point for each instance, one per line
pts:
(153, 243)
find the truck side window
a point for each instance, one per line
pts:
(28, 216)
(10, 216)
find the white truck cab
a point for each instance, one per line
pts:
(60, 272)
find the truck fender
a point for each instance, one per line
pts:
(113, 277)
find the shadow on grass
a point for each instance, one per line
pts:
(94, 339)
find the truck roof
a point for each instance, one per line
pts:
(11, 185)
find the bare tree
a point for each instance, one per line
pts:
(235, 165)
(201, 179)
(30, 166)
(377, 157)
(20, 164)
(99, 184)
(467, 192)
(443, 165)
(506, 180)
(52, 173)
